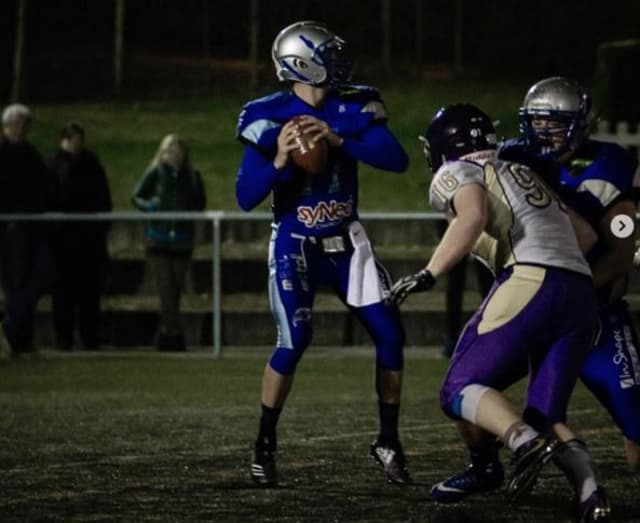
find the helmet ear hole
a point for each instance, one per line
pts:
(309, 53)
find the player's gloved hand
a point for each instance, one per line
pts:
(420, 281)
(636, 259)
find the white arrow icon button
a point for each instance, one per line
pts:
(622, 226)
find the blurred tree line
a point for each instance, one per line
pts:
(198, 45)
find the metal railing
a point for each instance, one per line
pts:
(216, 218)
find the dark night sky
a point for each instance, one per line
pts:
(73, 38)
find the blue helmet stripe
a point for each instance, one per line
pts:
(286, 65)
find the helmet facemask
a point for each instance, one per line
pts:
(337, 66)
(555, 117)
(426, 151)
(552, 132)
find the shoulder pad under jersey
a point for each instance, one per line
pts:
(261, 119)
(609, 170)
(449, 178)
(366, 98)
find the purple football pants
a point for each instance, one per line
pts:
(536, 320)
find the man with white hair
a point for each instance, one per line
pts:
(25, 261)
(16, 121)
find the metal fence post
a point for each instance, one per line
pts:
(217, 313)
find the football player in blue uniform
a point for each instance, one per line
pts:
(595, 179)
(316, 236)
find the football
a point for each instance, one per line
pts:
(309, 156)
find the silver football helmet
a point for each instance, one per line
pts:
(555, 116)
(310, 53)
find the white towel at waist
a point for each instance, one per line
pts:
(364, 281)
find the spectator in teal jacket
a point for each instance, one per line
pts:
(170, 183)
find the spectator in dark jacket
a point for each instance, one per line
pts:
(79, 248)
(170, 184)
(25, 260)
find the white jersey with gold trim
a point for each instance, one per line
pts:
(526, 222)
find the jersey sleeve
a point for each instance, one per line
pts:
(613, 176)
(373, 105)
(377, 147)
(361, 122)
(257, 129)
(259, 125)
(449, 178)
(359, 108)
(366, 98)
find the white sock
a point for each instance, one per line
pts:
(573, 459)
(588, 487)
(518, 434)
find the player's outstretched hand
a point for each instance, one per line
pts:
(420, 281)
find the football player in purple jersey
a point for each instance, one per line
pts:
(538, 318)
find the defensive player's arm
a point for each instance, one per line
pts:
(471, 212)
(617, 257)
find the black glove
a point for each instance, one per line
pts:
(420, 281)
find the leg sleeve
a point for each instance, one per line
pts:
(611, 370)
(291, 295)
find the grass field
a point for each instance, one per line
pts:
(149, 438)
(126, 134)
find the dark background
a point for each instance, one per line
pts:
(69, 43)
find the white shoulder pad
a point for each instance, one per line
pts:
(449, 178)
(377, 108)
(604, 191)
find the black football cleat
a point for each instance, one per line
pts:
(595, 509)
(263, 468)
(391, 459)
(529, 460)
(475, 479)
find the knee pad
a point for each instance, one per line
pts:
(450, 403)
(464, 403)
(451, 409)
(290, 348)
(390, 360)
(284, 360)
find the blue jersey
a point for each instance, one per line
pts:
(314, 204)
